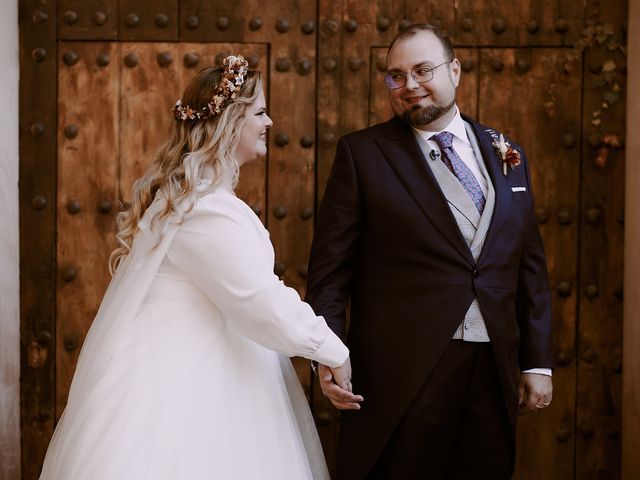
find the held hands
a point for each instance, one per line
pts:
(534, 392)
(336, 386)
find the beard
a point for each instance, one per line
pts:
(420, 116)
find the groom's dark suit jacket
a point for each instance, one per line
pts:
(387, 242)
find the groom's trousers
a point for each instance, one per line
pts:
(457, 427)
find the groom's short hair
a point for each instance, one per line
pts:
(426, 27)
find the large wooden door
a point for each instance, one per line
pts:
(99, 78)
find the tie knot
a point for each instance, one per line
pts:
(443, 139)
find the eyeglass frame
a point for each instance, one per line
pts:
(431, 69)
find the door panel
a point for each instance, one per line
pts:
(88, 156)
(545, 86)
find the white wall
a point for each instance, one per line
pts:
(9, 237)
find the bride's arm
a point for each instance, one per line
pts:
(220, 249)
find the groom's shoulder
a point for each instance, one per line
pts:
(369, 134)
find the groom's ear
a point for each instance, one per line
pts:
(455, 71)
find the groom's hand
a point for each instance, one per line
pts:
(341, 398)
(534, 392)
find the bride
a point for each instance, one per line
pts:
(185, 373)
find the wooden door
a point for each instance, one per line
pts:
(99, 78)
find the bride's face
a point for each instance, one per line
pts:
(253, 138)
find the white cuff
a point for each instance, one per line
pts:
(332, 352)
(539, 371)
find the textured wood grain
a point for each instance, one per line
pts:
(148, 92)
(37, 197)
(79, 19)
(330, 74)
(329, 78)
(600, 334)
(513, 101)
(291, 170)
(88, 97)
(202, 20)
(157, 20)
(440, 14)
(631, 333)
(506, 23)
(600, 308)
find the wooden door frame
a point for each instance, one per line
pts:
(631, 326)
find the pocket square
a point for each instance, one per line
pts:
(518, 189)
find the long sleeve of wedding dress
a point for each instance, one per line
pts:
(222, 246)
(174, 380)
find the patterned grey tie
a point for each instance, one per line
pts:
(464, 175)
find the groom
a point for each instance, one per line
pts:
(427, 230)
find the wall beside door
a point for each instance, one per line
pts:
(9, 266)
(98, 80)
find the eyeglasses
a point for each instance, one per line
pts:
(420, 74)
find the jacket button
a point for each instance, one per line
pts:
(476, 274)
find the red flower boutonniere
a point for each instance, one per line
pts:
(508, 155)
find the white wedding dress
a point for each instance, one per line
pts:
(185, 373)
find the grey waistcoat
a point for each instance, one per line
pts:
(473, 226)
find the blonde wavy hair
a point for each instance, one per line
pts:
(178, 163)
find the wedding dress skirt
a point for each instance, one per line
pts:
(185, 389)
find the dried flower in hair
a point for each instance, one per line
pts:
(235, 69)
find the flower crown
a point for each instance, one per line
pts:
(233, 76)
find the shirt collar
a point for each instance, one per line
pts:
(456, 126)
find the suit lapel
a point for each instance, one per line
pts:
(501, 188)
(402, 152)
(487, 213)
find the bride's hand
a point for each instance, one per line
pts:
(341, 398)
(342, 375)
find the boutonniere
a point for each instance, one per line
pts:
(509, 156)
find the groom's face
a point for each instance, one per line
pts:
(423, 104)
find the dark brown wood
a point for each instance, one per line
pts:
(517, 102)
(328, 125)
(201, 20)
(37, 185)
(88, 152)
(631, 333)
(502, 22)
(467, 92)
(440, 14)
(157, 20)
(598, 421)
(291, 172)
(79, 19)
(148, 92)
(330, 74)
